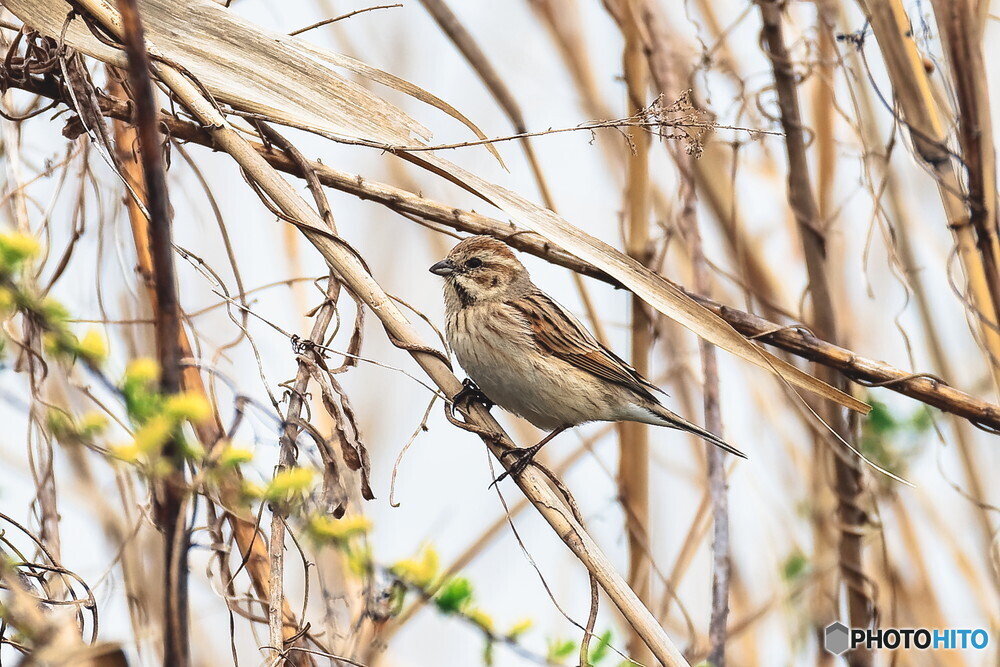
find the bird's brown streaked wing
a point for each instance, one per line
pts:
(560, 334)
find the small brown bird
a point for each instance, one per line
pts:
(528, 355)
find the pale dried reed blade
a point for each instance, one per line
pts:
(271, 74)
(286, 79)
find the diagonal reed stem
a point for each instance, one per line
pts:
(359, 281)
(849, 482)
(170, 493)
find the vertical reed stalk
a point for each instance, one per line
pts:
(848, 483)
(251, 544)
(905, 226)
(912, 91)
(633, 466)
(170, 494)
(721, 566)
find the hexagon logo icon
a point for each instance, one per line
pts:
(837, 639)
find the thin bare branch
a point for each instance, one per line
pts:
(794, 338)
(849, 481)
(170, 498)
(348, 15)
(357, 279)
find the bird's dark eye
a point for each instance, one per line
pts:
(473, 263)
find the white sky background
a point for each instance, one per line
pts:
(442, 482)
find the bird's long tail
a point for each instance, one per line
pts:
(661, 416)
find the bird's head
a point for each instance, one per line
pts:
(481, 268)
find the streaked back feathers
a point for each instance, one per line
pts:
(531, 356)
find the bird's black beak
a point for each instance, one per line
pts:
(445, 267)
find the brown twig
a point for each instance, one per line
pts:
(633, 457)
(790, 337)
(170, 499)
(719, 492)
(348, 15)
(649, 119)
(849, 484)
(296, 402)
(359, 281)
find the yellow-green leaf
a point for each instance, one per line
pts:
(421, 571)
(289, 482)
(326, 528)
(188, 405)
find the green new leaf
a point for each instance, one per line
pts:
(560, 649)
(519, 628)
(420, 572)
(289, 482)
(600, 651)
(794, 567)
(454, 595)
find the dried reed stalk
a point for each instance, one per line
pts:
(793, 338)
(357, 279)
(171, 491)
(633, 449)
(912, 91)
(849, 481)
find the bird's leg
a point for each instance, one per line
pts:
(524, 456)
(470, 392)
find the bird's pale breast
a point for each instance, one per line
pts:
(496, 348)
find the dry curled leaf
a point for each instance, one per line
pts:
(345, 425)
